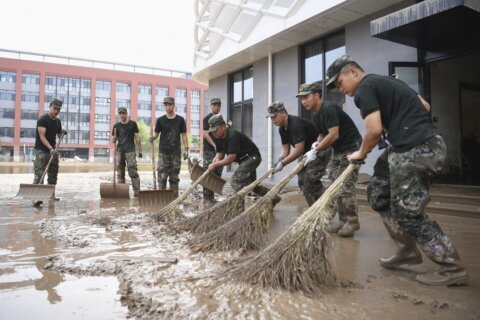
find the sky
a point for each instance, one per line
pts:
(153, 33)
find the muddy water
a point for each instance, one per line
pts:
(69, 259)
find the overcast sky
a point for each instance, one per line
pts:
(155, 33)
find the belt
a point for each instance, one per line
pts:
(248, 156)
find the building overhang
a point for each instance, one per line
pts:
(433, 25)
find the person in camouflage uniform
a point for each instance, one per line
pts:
(49, 127)
(124, 133)
(209, 147)
(402, 176)
(300, 134)
(234, 146)
(338, 132)
(170, 127)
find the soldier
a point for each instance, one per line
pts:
(171, 126)
(300, 134)
(124, 133)
(337, 131)
(237, 147)
(209, 147)
(399, 189)
(49, 127)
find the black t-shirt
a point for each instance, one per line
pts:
(403, 115)
(237, 143)
(299, 130)
(126, 135)
(170, 130)
(53, 126)
(207, 146)
(331, 115)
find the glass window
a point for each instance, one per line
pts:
(8, 77)
(195, 94)
(161, 91)
(6, 132)
(8, 95)
(123, 87)
(29, 115)
(144, 105)
(102, 85)
(181, 93)
(241, 106)
(237, 87)
(7, 113)
(144, 89)
(31, 78)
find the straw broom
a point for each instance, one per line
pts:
(220, 213)
(297, 260)
(247, 231)
(172, 211)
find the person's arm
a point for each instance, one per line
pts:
(155, 136)
(138, 141)
(425, 104)
(207, 138)
(185, 141)
(373, 131)
(221, 163)
(296, 152)
(42, 131)
(324, 142)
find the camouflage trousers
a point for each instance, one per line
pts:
(399, 191)
(207, 160)
(346, 202)
(39, 165)
(310, 177)
(246, 173)
(169, 169)
(129, 160)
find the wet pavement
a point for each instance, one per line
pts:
(68, 260)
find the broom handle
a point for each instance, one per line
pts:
(114, 160)
(185, 194)
(276, 188)
(51, 159)
(153, 161)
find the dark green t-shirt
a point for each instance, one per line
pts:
(299, 130)
(407, 122)
(53, 127)
(237, 143)
(331, 115)
(170, 130)
(126, 135)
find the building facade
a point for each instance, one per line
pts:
(253, 52)
(91, 96)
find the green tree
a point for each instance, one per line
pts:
(144, 133)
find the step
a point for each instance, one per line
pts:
(452, 209)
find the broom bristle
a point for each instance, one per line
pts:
(298, 259)
(247, 231)
(213, 217)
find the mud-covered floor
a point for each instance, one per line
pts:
(67, 260)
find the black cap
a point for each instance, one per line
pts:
(334, 70)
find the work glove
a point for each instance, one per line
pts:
(278, 167)
(152, 139)
(315, 145)
(185, 155)
(140, 155)
(64, 131)
(311, 155)
(53, 151)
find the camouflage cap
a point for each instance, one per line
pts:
(275, 108)
(169, 99)
(334, 70)
(122, 109)
(215, 101)
(307, 88)
(56, 102)
(215, 121)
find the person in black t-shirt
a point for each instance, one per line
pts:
(337, 131)
(170, 127)
(49, 127)
(125, 134)
(300, 134)
(209, 147)
(234, 146)
(399, 189)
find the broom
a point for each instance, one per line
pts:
(220, 213)
(248, 230)
(172, 211)
(297, 260)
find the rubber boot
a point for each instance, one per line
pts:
(174, 187)
(349, 228)
(162, 185)
(407, 252)
(54, 198)
(450, 274)
(135, 186)
(262, 191)
(334, 226)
